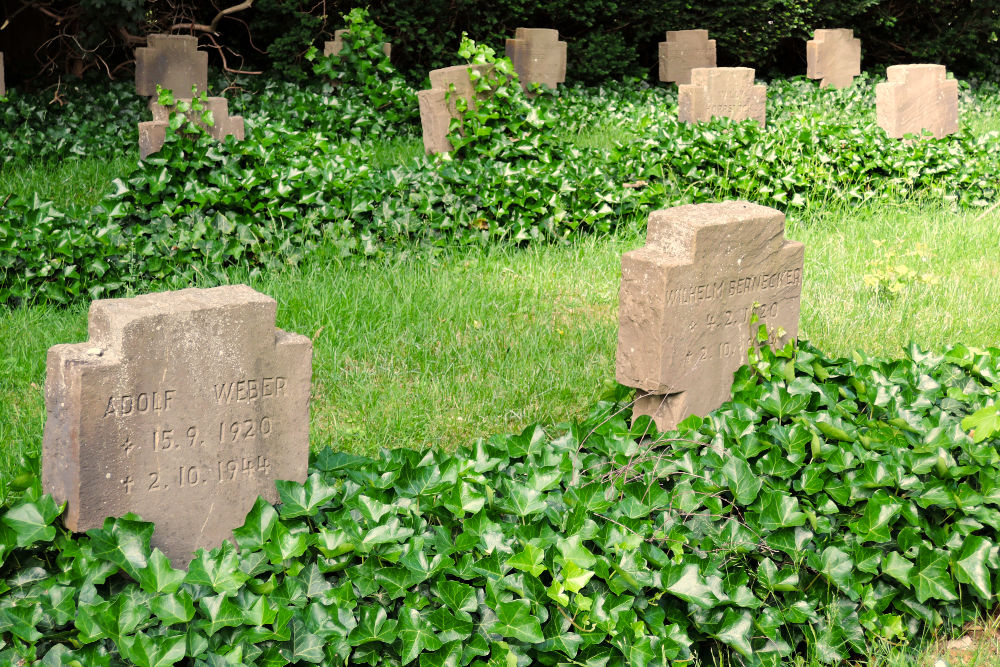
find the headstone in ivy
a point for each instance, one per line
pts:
(721, 92)
(152, 133)
(437, 104)
(917, 98)
(172, 62)
(687, 299)
(182, 407)
(538, 56)
(683, 51)
(332, 48)
(834, 57)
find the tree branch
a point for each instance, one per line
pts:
(246, 4)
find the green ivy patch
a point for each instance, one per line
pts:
(831, 506)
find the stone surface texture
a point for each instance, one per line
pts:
(684, 51)
(686, 301)
(437, 104)
(173, 62)
(834, 57)
(332, 48)
(152, 133)
(917, 98)
(3, 86)
(182, 407)
(722, 92)
(538, 56)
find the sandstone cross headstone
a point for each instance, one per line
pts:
(437, 104)
(152, 133)
(686, 301)
(834, 56)
(538, 56)
(3, 86)
(917, 98)
(332, 48)
(182, 407)
(722, 92)
(683, 51)
(172, 61)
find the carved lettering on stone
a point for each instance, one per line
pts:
(684, 51)
(182, 407)
(917, 98)
(722, 92)
(834, 57)
(538, 56)
(687, 297)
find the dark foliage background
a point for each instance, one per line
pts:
(46, 39)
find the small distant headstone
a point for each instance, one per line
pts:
(722, 92)
(917, 98)
(834, 56)
(684, 51)
(172, 61)
(153, 133)
(3, 86)
(182, 407)
(332, 48)
(538, 56)
(687, 298)
(437, 104)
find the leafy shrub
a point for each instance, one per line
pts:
(831, 506)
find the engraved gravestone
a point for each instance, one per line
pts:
(172, 61)
(917, 98)
(721, 92)
(437, 104)
(683, 51)
(834, 56)
(182, 407)
(152, 133)
(687, 297)
(538, 56)
(332, 48)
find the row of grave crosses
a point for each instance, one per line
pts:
(913, 99)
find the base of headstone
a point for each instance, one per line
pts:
(437, 104)
(153, 133)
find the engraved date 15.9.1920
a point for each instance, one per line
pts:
(238, 431)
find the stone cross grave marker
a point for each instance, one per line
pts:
(173, 62)
(687, 297)
(724, 92)
(152, 133)
(538, 56)
(437, 104)
(182, 407)
(683, 51)
(834, 56)
(917, 98)
(332, 48)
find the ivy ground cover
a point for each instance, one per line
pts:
(833, 505)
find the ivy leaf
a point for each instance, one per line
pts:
(931, 577)
(258, 526)
(971, 566)
(898, 568)
(983, 423)
(374, 627)
(514, 619)
(31, 521)
(173, 607)
(158, 576)
(743, 483)
(303, 499)
(572, 550)
(416, 635)
(218, 569)
(528, 560)
(146, 651)
(124, 542)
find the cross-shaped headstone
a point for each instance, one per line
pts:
(210, 400)
(172, 61)
(332, 48)
(834, 56)
(722, 92)
(153, 133)
(538, 56)
(687, 298)
(917, 98)
(437, 104)
(683, 51)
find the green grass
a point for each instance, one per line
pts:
(68, 183)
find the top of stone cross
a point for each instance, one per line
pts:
(916, 98)
(683, 51)
(834, 56)
(172, 61)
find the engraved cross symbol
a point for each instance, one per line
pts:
(128, 484)
(128, 446)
